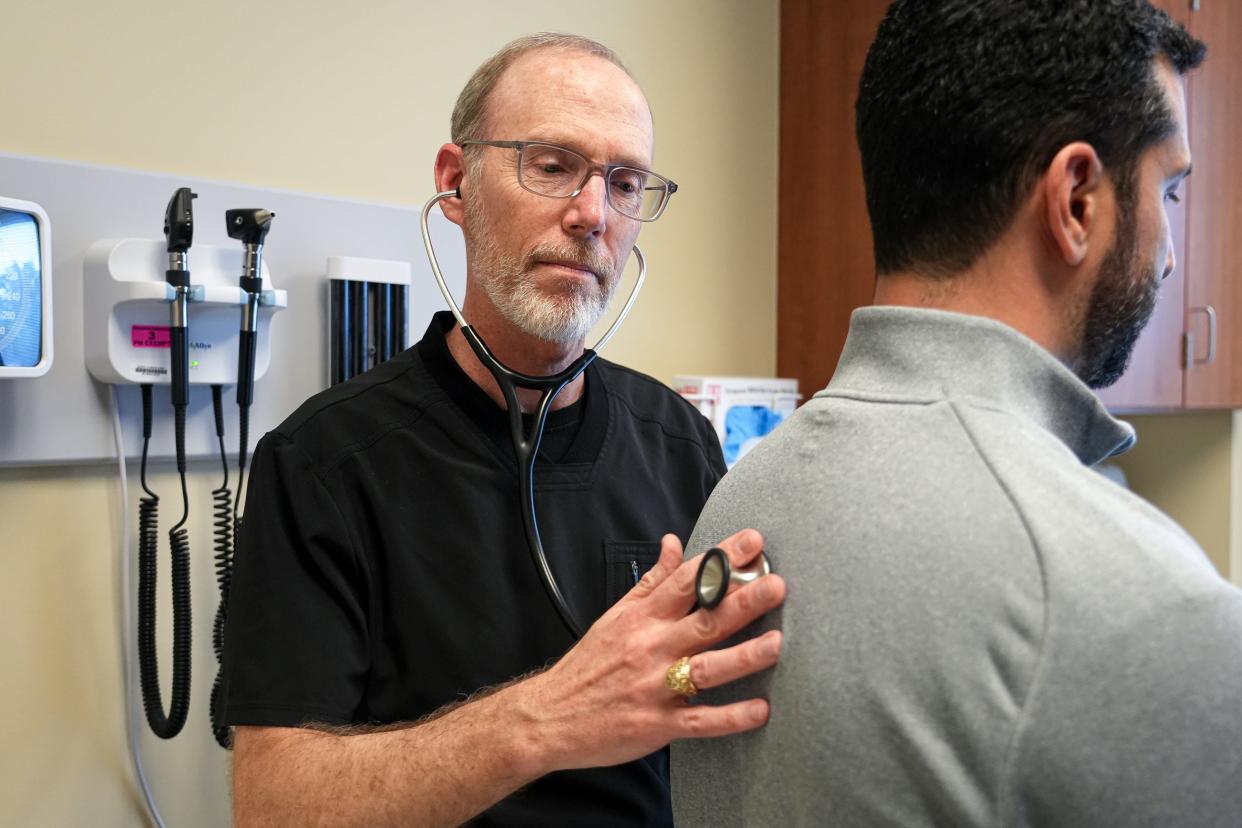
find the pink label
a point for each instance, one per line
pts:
(150, 336)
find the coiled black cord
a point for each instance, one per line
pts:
(224, 558)
(224, 528)
(164, 726)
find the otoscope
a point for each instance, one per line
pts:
(179, 231)
(250, 227)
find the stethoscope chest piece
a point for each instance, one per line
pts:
(716, 574)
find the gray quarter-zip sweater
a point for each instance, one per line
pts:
(980, 629)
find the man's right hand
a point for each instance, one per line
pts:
(606, 701)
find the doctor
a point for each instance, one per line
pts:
(388, 640)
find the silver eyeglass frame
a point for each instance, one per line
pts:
(605, 171)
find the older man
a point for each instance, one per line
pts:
(987, 632)
(383, 577)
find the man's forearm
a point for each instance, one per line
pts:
(605, 702)
(440, 771)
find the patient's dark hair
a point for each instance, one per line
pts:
(964, 103)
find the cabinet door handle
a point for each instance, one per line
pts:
(1211, 349)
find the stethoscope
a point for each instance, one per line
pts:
(714, 576)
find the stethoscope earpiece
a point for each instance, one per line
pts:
(716, 574)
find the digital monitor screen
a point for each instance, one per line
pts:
(21, 290)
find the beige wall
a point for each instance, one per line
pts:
(1184, 464)
(350, 100)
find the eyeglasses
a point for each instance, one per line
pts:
(557, 172)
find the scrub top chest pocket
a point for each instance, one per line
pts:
(625, 562)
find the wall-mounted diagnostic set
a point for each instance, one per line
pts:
(152, 320)
(172, 313)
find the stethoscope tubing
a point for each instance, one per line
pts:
(526, 448)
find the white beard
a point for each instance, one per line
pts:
(563, 313)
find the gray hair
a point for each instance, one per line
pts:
(467, 123)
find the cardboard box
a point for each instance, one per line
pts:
(716, 396)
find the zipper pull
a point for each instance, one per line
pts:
(634, 569)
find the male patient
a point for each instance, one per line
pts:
(985, 631)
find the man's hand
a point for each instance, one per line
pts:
(606, 701)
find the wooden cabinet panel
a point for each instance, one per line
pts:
(1154, 378)
(1214, 224)
(826, 267)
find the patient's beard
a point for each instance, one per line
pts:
(1121, 304)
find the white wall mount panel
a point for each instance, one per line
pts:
(63, 417)
(127, 300)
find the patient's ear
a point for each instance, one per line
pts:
(1074, 187)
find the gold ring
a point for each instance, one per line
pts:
(678, 678)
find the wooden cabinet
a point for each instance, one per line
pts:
(826, 268)
(825, 263)
(1214, 221)
(1190, 357)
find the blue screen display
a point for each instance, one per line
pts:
(21, 290)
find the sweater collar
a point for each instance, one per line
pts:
(920, 355)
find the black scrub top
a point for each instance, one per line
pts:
(382, 569)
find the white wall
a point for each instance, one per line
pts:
(349, 100)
